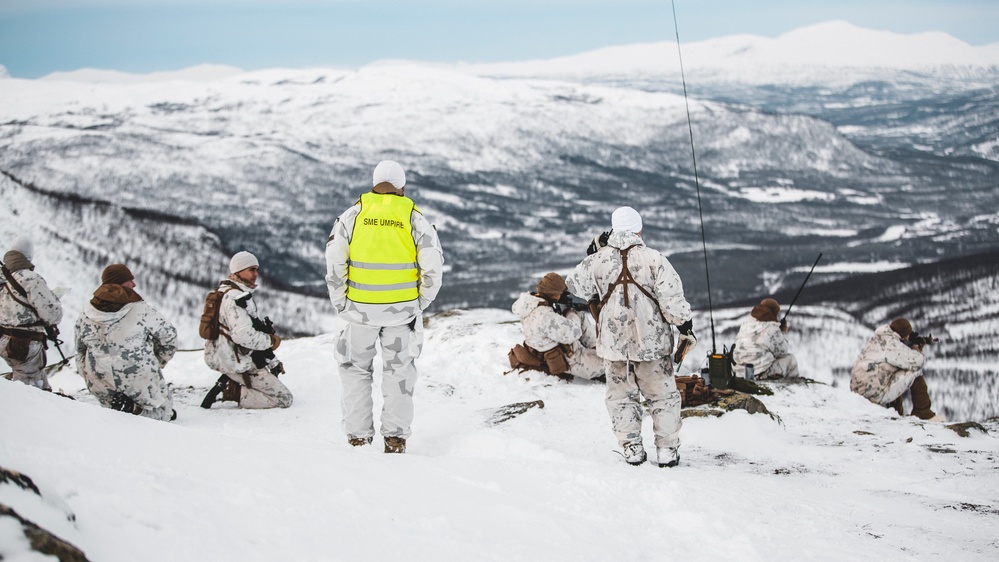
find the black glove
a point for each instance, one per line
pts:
(598, 242)
(687, 328)
(123, 403)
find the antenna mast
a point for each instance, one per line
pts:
(697, 185)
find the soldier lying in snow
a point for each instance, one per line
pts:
(122, 345)
(557, 331)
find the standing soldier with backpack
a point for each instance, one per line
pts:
(122, 345)
(384, 266)
(640, 297)
(240, 344)
(29, 310)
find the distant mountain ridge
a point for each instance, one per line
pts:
(803, 54)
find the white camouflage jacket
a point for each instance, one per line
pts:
(13, 314)
(635, 333)
(125, 351)
(759, 343)
(236, 315)
(881, 359)
(543, 327)
(429, 256)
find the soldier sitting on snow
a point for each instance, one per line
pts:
(560, 339)
(889, 366)
(27, 307)
(761, 343)
(122, 344)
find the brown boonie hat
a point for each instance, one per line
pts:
(772, 305)
(901, 326)
(117, 274)
(766, 311)
(551, 284)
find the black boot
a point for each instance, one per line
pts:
(214, 392)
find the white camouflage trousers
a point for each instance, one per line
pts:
(783, 367)
(265, 391)
(585, 363)
(31, 371)
(356, 346)
(625, 387)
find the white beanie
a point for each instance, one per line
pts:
(626, 219)
(241, 261)
(24, 246)
(389, 171)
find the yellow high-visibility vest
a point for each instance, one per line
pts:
(382, 267)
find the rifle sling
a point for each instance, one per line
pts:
(11, 282)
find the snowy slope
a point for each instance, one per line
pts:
(837, 479)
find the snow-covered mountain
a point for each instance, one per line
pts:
(881, 162)
(833, 478)
(827, 53)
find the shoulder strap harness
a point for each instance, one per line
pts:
(624, 279)
(12, 283)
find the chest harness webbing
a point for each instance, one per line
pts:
(624, 279)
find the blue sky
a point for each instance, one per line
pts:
(42, 36)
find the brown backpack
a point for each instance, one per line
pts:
(523, 358)
(209, 328)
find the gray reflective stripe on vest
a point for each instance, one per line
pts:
(383, 266)
(391, 287)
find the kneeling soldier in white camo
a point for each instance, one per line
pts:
(550, 324)
(122, 345)
(641, 296)
(27, 306)
(244, 351)
(384, 266)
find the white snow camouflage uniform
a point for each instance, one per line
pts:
(636, 334)
(885, 368)
(231, 355)
(125, 351)
(764, 345)
(544, 328)
(397, 327)
(14, 314)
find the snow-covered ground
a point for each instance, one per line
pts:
(836, 478)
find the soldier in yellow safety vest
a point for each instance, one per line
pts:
(384, 265)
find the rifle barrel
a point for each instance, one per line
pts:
(801, 287)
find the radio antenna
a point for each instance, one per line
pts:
(697, 185)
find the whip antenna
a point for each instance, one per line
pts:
(697, 185)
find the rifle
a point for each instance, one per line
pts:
(569, 301)
(51, 331)
(783, 321)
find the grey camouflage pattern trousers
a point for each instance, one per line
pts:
(31, 371)
(625, 387)
(783, 367)
(265, 391)
(356, 347)
(585, 363)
